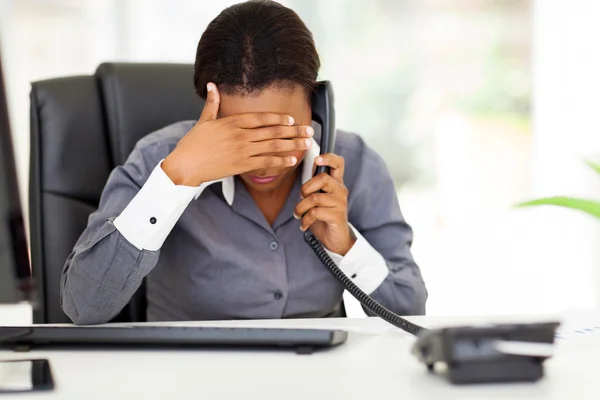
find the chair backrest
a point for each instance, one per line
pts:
(81, 128)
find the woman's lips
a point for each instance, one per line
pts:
(262, 180)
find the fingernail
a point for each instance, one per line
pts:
(293, 160)
(209, 87)
(308, 143)
(291, 120)
(310, 131)
(296, 216)
(302, 228)
(319, 160)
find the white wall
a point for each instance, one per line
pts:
(566, 131)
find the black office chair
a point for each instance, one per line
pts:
(81, 128)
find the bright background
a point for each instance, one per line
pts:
(474, 104)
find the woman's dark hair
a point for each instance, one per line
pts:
(252, 45)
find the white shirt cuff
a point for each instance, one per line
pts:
(364, 265)
(153, 212)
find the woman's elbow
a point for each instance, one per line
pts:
(79, 312)
(420, 296)
(413, 299)
(83, 319)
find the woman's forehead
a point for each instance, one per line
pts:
(290, 101)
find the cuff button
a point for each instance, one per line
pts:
(152, 220)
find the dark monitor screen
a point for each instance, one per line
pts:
(15, 272)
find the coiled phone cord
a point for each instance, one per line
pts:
(366, 300)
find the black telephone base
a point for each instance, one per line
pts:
(488, 354)
(527, 369)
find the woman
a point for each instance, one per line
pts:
(211, 213)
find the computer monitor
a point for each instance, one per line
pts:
(15, 270)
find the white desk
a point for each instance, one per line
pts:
(374, 364)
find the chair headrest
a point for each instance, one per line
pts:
(140, 98)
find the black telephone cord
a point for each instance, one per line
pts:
(366, 300)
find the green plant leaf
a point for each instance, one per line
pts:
(594, 166)
(590, 207)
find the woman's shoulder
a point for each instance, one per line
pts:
(156, 145)
(166, 137)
